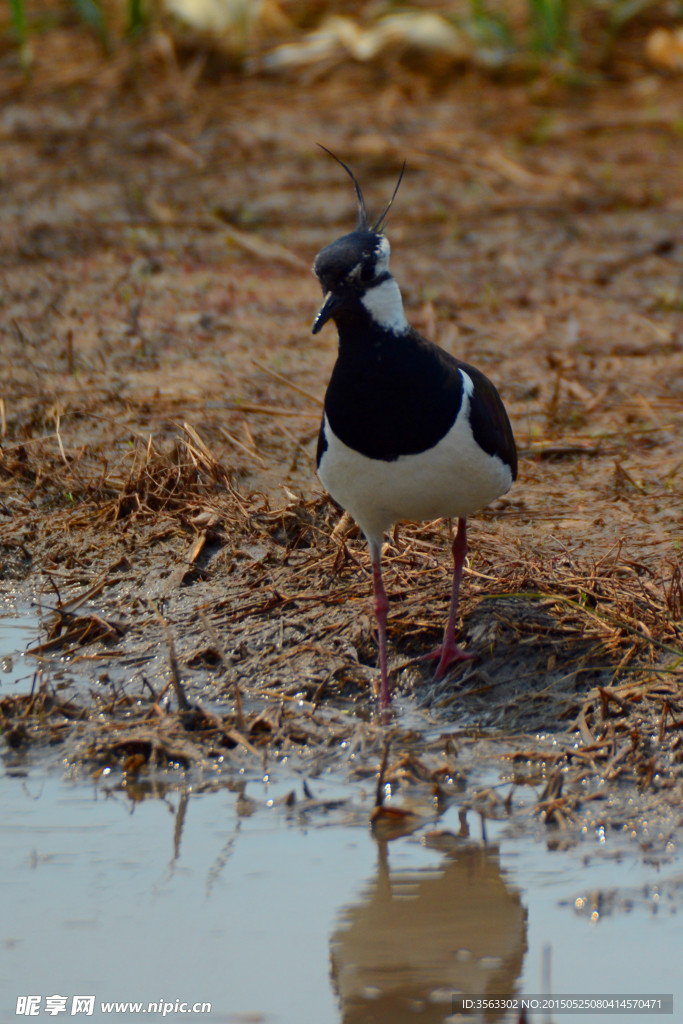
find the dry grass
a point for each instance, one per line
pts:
(590, 656)
(160, 398)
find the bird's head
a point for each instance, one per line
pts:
(355, 267)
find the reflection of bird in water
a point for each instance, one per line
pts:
(417, 936)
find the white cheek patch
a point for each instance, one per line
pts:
(385, 306)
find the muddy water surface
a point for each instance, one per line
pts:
(252, 897)
(274, 914)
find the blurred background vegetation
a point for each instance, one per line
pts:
(504, 36)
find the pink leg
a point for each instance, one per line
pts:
(448, 652)
(381, 609)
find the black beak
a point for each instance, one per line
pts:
(325, 312)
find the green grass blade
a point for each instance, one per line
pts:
(18, 19)
(549, 25)
(136, 17)
(21, 32)
(93, 16)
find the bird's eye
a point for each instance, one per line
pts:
(367, 272)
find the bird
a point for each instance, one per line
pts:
(408, 431)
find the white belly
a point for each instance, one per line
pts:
(454, 478)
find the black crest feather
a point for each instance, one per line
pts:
(379, 226)
(362, 215)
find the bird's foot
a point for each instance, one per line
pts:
(446, 655)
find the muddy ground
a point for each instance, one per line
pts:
(160, 401)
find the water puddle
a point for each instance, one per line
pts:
(228, 900)
(270, 914)
(16, 633)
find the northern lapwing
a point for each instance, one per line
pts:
(408, 431)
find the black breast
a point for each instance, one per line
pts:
(394, 396)
(400, 395)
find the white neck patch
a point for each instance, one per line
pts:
(385, 306)
(467, 383)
